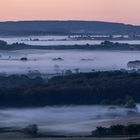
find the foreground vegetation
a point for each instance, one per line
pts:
(117, 88)
(117, 130)
(75, 138)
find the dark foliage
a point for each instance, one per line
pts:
(79, 89)
(3, 43)
(117, 130)
(31, 130)
(106, 45)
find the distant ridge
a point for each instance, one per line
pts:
(65, 28)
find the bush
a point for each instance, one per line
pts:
(31, 130)
(131, 130)
(117, 130)
(130, 103)
(24, 59)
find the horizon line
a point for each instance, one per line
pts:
(59, 20)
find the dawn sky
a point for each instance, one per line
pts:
(127, 11)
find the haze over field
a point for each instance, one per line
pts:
(69, 66)
(125, 11)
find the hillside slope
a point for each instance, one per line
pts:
(65, 27)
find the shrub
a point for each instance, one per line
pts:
(31, 130)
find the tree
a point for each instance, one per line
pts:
(24, 59)
(3, 43)
(57, 69)
(31, 129)
(68, 72)
(76, 70)
(130, 103)
(100, 131)
(107, 43)
(117, 129)
(131, 130)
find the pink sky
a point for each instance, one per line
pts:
(127, 11)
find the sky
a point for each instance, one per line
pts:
(126, 11)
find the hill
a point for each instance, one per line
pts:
(65, 27)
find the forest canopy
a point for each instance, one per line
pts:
(77, 89)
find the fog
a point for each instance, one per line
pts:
(57, 40)
(72, 120)
(85, 60)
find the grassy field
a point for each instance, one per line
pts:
(123, 138)
(123, 121)
(21, 136)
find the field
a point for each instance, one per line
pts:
(84, 60)
(121, 138)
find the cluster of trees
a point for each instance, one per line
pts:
(117, 130)
(5, 46)
(3, 43)
(19, 81)
(127, 102)
(106, 45)
(112, 44)
(118, 88)
(31, 130)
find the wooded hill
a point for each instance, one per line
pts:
(65, 28)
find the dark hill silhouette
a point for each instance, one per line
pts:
(65, 27)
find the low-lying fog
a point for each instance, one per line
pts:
(63, 120)
(46, 60)
(57, 40)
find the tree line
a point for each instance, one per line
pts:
(118, 88)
